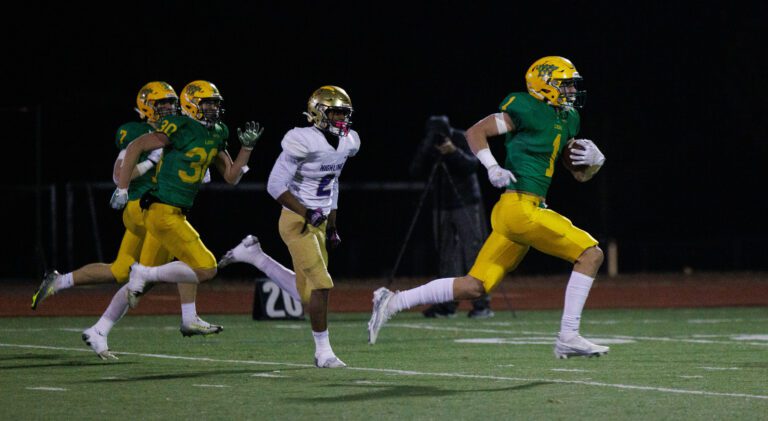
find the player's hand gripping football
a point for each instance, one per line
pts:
(589, 155)
(250, 136)
(500, 177)
(119, 198)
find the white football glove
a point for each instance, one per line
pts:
(590, 155)
(119, 198)
(500, 177)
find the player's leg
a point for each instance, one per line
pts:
(556, 235)
(153, 254)
(498, 256)
(99, 273)
(130, 248)
(472, 230)
(307, 247)
(195, 262)
(249, 251)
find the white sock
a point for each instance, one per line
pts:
(283, 277)
(63, 282)
(437, 291)
(575, 296)
(322, 343)
(175, 272)
(114, 312)
(188, 312)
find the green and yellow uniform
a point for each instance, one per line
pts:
(178, 177)
(136, 245)
(518, 219)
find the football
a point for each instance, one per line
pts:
(566, 156)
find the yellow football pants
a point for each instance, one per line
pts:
(307, 248)
(519, 223)
(170, 228)
(137, 245)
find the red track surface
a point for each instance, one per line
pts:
(522, 293)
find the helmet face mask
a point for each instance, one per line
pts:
(330, 110)
(202, 101)
(156, 100)
(556, 81)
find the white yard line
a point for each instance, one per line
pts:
(421, 326)
(415, 373)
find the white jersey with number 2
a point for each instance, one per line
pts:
(309, 167)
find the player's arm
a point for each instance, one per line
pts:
(277, 185)
(331, 231)
(234, 171)
(142, 144)
(279, 179)
(141, 168)
(477, 137)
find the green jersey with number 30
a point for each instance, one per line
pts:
(193, 147)
(541, 132)
(126, 134)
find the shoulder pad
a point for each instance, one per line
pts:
(297, 142)
(354, 138)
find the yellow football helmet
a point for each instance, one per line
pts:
(327, 98)
(150, 95)
(195, 94)
(549, 80)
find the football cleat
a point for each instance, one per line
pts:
(98, 343)
(199, 327)
(246, 251)
(46, 289)
(380, 313)
(136, 284)
(329, 361)
(440, 310)
(578, 347)
(481, 313)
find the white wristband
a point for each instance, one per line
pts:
(144, 166)
(486, 158)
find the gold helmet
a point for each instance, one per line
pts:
(195, 94)
(153, 94)
(330, 98)
(549, 77)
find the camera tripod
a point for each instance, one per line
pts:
(439, 164)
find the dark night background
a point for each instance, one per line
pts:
(676, 97)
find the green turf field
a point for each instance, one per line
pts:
(663, 364)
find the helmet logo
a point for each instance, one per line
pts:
(545, 70)
(193, 89)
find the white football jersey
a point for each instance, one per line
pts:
(318, 165)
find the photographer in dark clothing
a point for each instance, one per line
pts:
(460, 224)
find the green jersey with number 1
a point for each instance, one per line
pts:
(126, 134)
(193, 147)
(541, 132)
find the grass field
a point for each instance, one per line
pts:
(663, 364)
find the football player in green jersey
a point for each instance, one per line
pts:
(154, 101)
(537, 124)
(191, 143)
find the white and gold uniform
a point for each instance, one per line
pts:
(309, 167)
